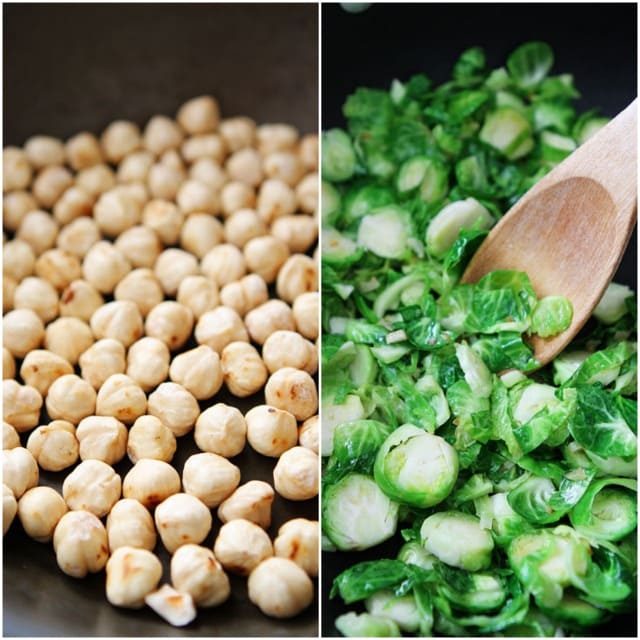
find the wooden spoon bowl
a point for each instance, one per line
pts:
(569, 232)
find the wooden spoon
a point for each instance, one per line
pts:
(570, 230)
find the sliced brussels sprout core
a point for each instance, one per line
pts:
(366, 625)
(401, 609)
(416, 467)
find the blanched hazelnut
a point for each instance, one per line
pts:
(243, 369)
(306, 314)
(116, 211)
(41, 368)
(245, 294)
(171, 322)
(18, 259)
(199, 293)
(149, 438)
(182, 519)
(276, 137)
(120, 320)
(173, 606)
(83, 151)
(241, 545)
(22, 331)
(148, 362)
(58, 267)
(271, 431)
(9, 508)
(78, 236)
(102, 360)
(199, 371)
(265, 255)
(69, 338)
(298, 275)
(200, 233)
(96, 179)
(251, 501)
(238, 133)
(140, 246)
(194, 196)
(294, 391)
(135, 167)
(223, 264)
(308, 151)
(289, 349)
(245, 165)
(150, 482)
(39, 230)
(129, 524)
(172, 267)
(220, 327)
(19, 470)
(10, 437)
(80, 543)
(298, 540)
(141, 287)
(237, 195)
(295, 475)
(299, 232)
(283, 165)
(209, 145)
(280, 588)
(275, 200)
(309, 434)
(307, 194)
(175, 407)
(92, 486)
(199, 115)
(243, 225)
(104, 266)
(50, 183)
(40, 510)
(20, 405)
(39, 296)
(54, 446)
(195, 570)
(102, 438)
(120, 138)
(74, 203)
(210, 172)
(122, 398)
(164, 181)
(271, 316)
(164, 218)
(70, 398)
(8, 364)
(16, 169)
(221, 429)
(210, 477)
(162, 134)
(9, 286)
(15, 206)
(132, 574)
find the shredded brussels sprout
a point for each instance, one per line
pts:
(509, 488)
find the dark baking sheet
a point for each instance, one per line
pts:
(597, 43)
(69, 68)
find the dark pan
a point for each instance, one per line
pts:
(69, 68)
(597, 43)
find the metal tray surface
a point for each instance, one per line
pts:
(69, 68)
(597, 43)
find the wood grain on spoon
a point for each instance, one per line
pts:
(570, 230)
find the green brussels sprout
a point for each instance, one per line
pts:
(547, 560)
(572, 610)
(415, 553)
(356, 514)
(416, 467)
(457, 539)
(338, 156)
(401, 609)
(365, 625)
(477, 592)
